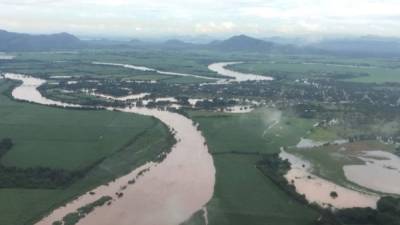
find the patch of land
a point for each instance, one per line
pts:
(243, 195)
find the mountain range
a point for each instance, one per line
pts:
(358, 46)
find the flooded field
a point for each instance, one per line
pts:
(381, 172)
(4, 56)
(308, 143)
(123, 98)
(319, 190)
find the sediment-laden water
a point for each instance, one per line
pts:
(220, 68)
(147, 69)
(318, 190)
(381, 172)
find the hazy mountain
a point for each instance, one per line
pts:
(104, 42)
(175, 43)
(362, 46)
(135, 41)
(10, 41)
(297, 41)
(242, 43)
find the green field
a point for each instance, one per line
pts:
(45, 64)
(79, 64)
(114, 143)
(375, 72)
(243, 195)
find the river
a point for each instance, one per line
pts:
(220, 68)
(147, 69)
(167, 194)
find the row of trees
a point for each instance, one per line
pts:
(37, 177)
(5, 145)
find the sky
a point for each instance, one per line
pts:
(157, 18)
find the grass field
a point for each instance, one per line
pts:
(71, 140)
(242, 194)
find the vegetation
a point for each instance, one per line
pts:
(75, 217)
(275, 168)
(387, 212)
(5, 145)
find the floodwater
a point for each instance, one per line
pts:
(167, 194)
(123, 98)
(143, 68)
(306, 143)
(309, 143)
(60, 77)
(318, 190)
(381, 172)
(28, 91)
(220, 69)
(239, 109)
(6, 57)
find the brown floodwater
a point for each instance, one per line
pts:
(220, 68)
(381, 172)
(318, 190)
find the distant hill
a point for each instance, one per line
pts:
(135, 42)
(250, 44)
(242, 43)
(175, 43)
(362, 46)
(10, 41)
(296, 41)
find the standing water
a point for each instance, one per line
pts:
(381, 172)
(318, 190)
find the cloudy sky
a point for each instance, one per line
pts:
(140, 18)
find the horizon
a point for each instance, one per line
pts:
(205, 39)
(173, 18)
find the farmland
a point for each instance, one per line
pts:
(242, 193)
